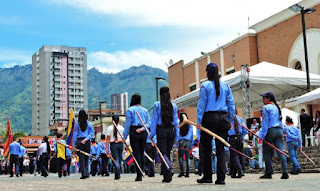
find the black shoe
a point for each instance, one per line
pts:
(20, 174)
(187, 174)
(221, 182)
(299, 170)
(234, 174)
(269, 176)
(240, 174)
(107, 174)
(169, 175)
(83, 177)
(17, 175)
(139, 178)
(64, 173)
(87, 176)
(180, 175)
(164, 180)
(285, 175)
(204, 180)
(11, 176)
(294, 172)
(117, 177)
(151, 175)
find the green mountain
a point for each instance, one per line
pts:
(16, 87)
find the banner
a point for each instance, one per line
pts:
(7, 139)
(70, 130)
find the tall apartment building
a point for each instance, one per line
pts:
(59, 83)
(120, 102)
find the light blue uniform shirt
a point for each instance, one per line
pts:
(293, 134)
(207, 100)
(102, 146)
(242, 131)
(198, 134)
(88, 133)
(68, 152)
(14, 148)
(95, 150)
(213, 144)
(156, 117)
(154, 139)
(132, 119)
(270, 118)
(23, 151)
(188, 137)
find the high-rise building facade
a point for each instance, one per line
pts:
(59, 83)
(120, 102)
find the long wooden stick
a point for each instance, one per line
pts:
(185, 120)
(134, 158)
(148, 157)
(308, 157)
(78, 150)
(271, 145)
(109, 155)
(158, 150)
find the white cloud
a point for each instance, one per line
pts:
(10, 57)
(200, 13)
(116, 61)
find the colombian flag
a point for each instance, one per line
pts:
(128, 158)
(70, 130)
(7, 139)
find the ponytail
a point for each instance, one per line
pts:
(166, 106)
(46, 140)
(272, 99)
(213, 75)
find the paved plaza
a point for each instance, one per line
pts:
(308, 181)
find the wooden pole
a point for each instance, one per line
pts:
(134, 158)
(158, 150)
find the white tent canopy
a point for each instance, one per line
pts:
(310, 98)
(287, 112)
(282, 81)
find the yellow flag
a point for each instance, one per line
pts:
(61, 151)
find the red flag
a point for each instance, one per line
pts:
(7, 139)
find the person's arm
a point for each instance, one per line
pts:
(40, 151)
(90, 133)
(127, 124)
(264, 123)
(154, 121)
(107, 143)
(230, 104)
(202, 103)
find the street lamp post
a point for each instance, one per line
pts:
(297, 8)
(101, 114)
(158, 78)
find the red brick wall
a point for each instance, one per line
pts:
(274, 43)
(175, 75)
(189, 77)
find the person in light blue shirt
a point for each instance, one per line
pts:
(61, 157)
(236, 141)
(14, 150)
(215, 111)
(21, 155)
(68, 160)
(271, 131)
(95, 153)
(83, 132)
(103, 155)
(164, 123)
(138, 135)
(184, 139)
(293, 138)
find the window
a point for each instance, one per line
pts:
(230, 71)
(192, 88)
(298, 66)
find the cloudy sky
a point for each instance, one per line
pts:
(123, 33)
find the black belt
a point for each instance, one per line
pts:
(165, 126)
(80, 138)
(13, 155)
(133, 129)
(217, 112)
(276, 127)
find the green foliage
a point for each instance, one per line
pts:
(16, 91)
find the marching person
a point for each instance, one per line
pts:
(164, 123)
(236, 141)
(138, 135)
(215, 111)
(14, 150)
(21, 157)
(68, 159)
(103, 154)
(152, 152)
(94, 152)
(60, 151)
(184, 139)
(271, 131)
(116, 144)
(83, 131)
(293, 138)
(44, 156)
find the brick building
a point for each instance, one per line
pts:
(277, 39)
